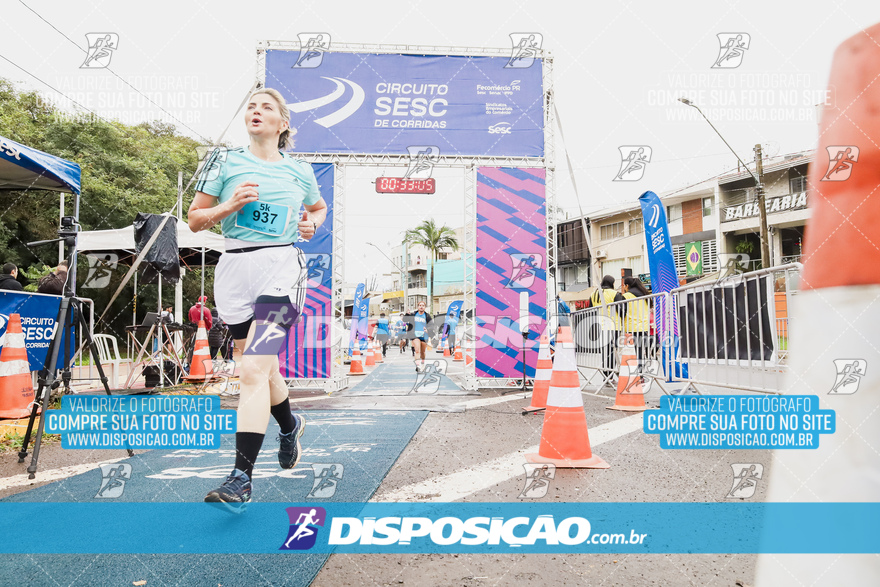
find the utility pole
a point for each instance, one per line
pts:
(762, 209)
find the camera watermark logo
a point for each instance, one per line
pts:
(523, 270)
(525, 49)
(733, 263)
(272, 321)
(639, 375)
(100, 51)
(849, 376)
(537, 482)
(113, 478)
(840, 162)
(312, 48)
(745, 480)
(327, 478)
(733, 47)
(429, 378)
(211, 160)
(100, 270)
(304, 522)
(633, 160)
(421, 161)
(318, 268)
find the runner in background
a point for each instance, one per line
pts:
(382, 333)
(421, 323)
(400, 327)
(260, 283)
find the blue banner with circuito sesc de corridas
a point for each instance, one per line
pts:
(384, 103)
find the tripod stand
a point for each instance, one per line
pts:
(70, 310)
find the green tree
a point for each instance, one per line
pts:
(125, 170)
(433, 238)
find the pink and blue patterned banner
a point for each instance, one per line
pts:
(307, 353)
(511, 258)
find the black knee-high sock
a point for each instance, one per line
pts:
(247, 448)
(282, 415)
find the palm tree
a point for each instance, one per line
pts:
(433, 238)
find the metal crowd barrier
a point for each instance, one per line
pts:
(598, 333)
(733, 333)
(729, 334)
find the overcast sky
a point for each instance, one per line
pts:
(618, 69)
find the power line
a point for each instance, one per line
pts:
(72, 42)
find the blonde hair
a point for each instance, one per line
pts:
(286, 138)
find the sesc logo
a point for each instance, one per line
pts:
(303, 532)
(337, 116)
(3, 320)
(500, 128)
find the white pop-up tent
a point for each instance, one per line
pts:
(121, 242)
(196, 248)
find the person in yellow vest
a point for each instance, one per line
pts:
(638, 317)
(610, 317)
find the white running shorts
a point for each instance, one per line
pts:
(242, 277)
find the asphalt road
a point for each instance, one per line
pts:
(471, 450)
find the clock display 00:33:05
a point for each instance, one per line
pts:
(402, 185)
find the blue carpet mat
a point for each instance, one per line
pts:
(362, 445)
(403, 380)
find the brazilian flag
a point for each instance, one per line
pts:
(693, 253)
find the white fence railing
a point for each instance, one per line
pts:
(729, 334)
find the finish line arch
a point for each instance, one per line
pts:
(506, 187)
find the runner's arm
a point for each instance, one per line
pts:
(205, 212)
(314, 217)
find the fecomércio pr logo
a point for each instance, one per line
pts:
(304, 526)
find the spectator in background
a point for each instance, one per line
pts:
(638, 316)
(54, 282)
(610, 319)
(167, 315)
(201, 312)
(7, 278)
(218, 336)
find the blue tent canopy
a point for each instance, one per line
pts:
(23, 168)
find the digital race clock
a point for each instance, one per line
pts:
(403, 185)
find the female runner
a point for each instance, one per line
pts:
(255, 193)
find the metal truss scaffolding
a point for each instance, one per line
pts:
(470, 164)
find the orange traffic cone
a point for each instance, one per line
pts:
(378, 352)
(371, 356)
(630, 395)
(543, 373)
(201, 368)
(565, 440)
(446, 352)
(457, 358)
(16, 387)
(357, 366)
(835, 315)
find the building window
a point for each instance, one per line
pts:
(442, 256)
(636, 226)
(609, 232)
(673, 212)
(708, 204)
(797, 184)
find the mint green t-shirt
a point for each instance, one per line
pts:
(284, 186)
